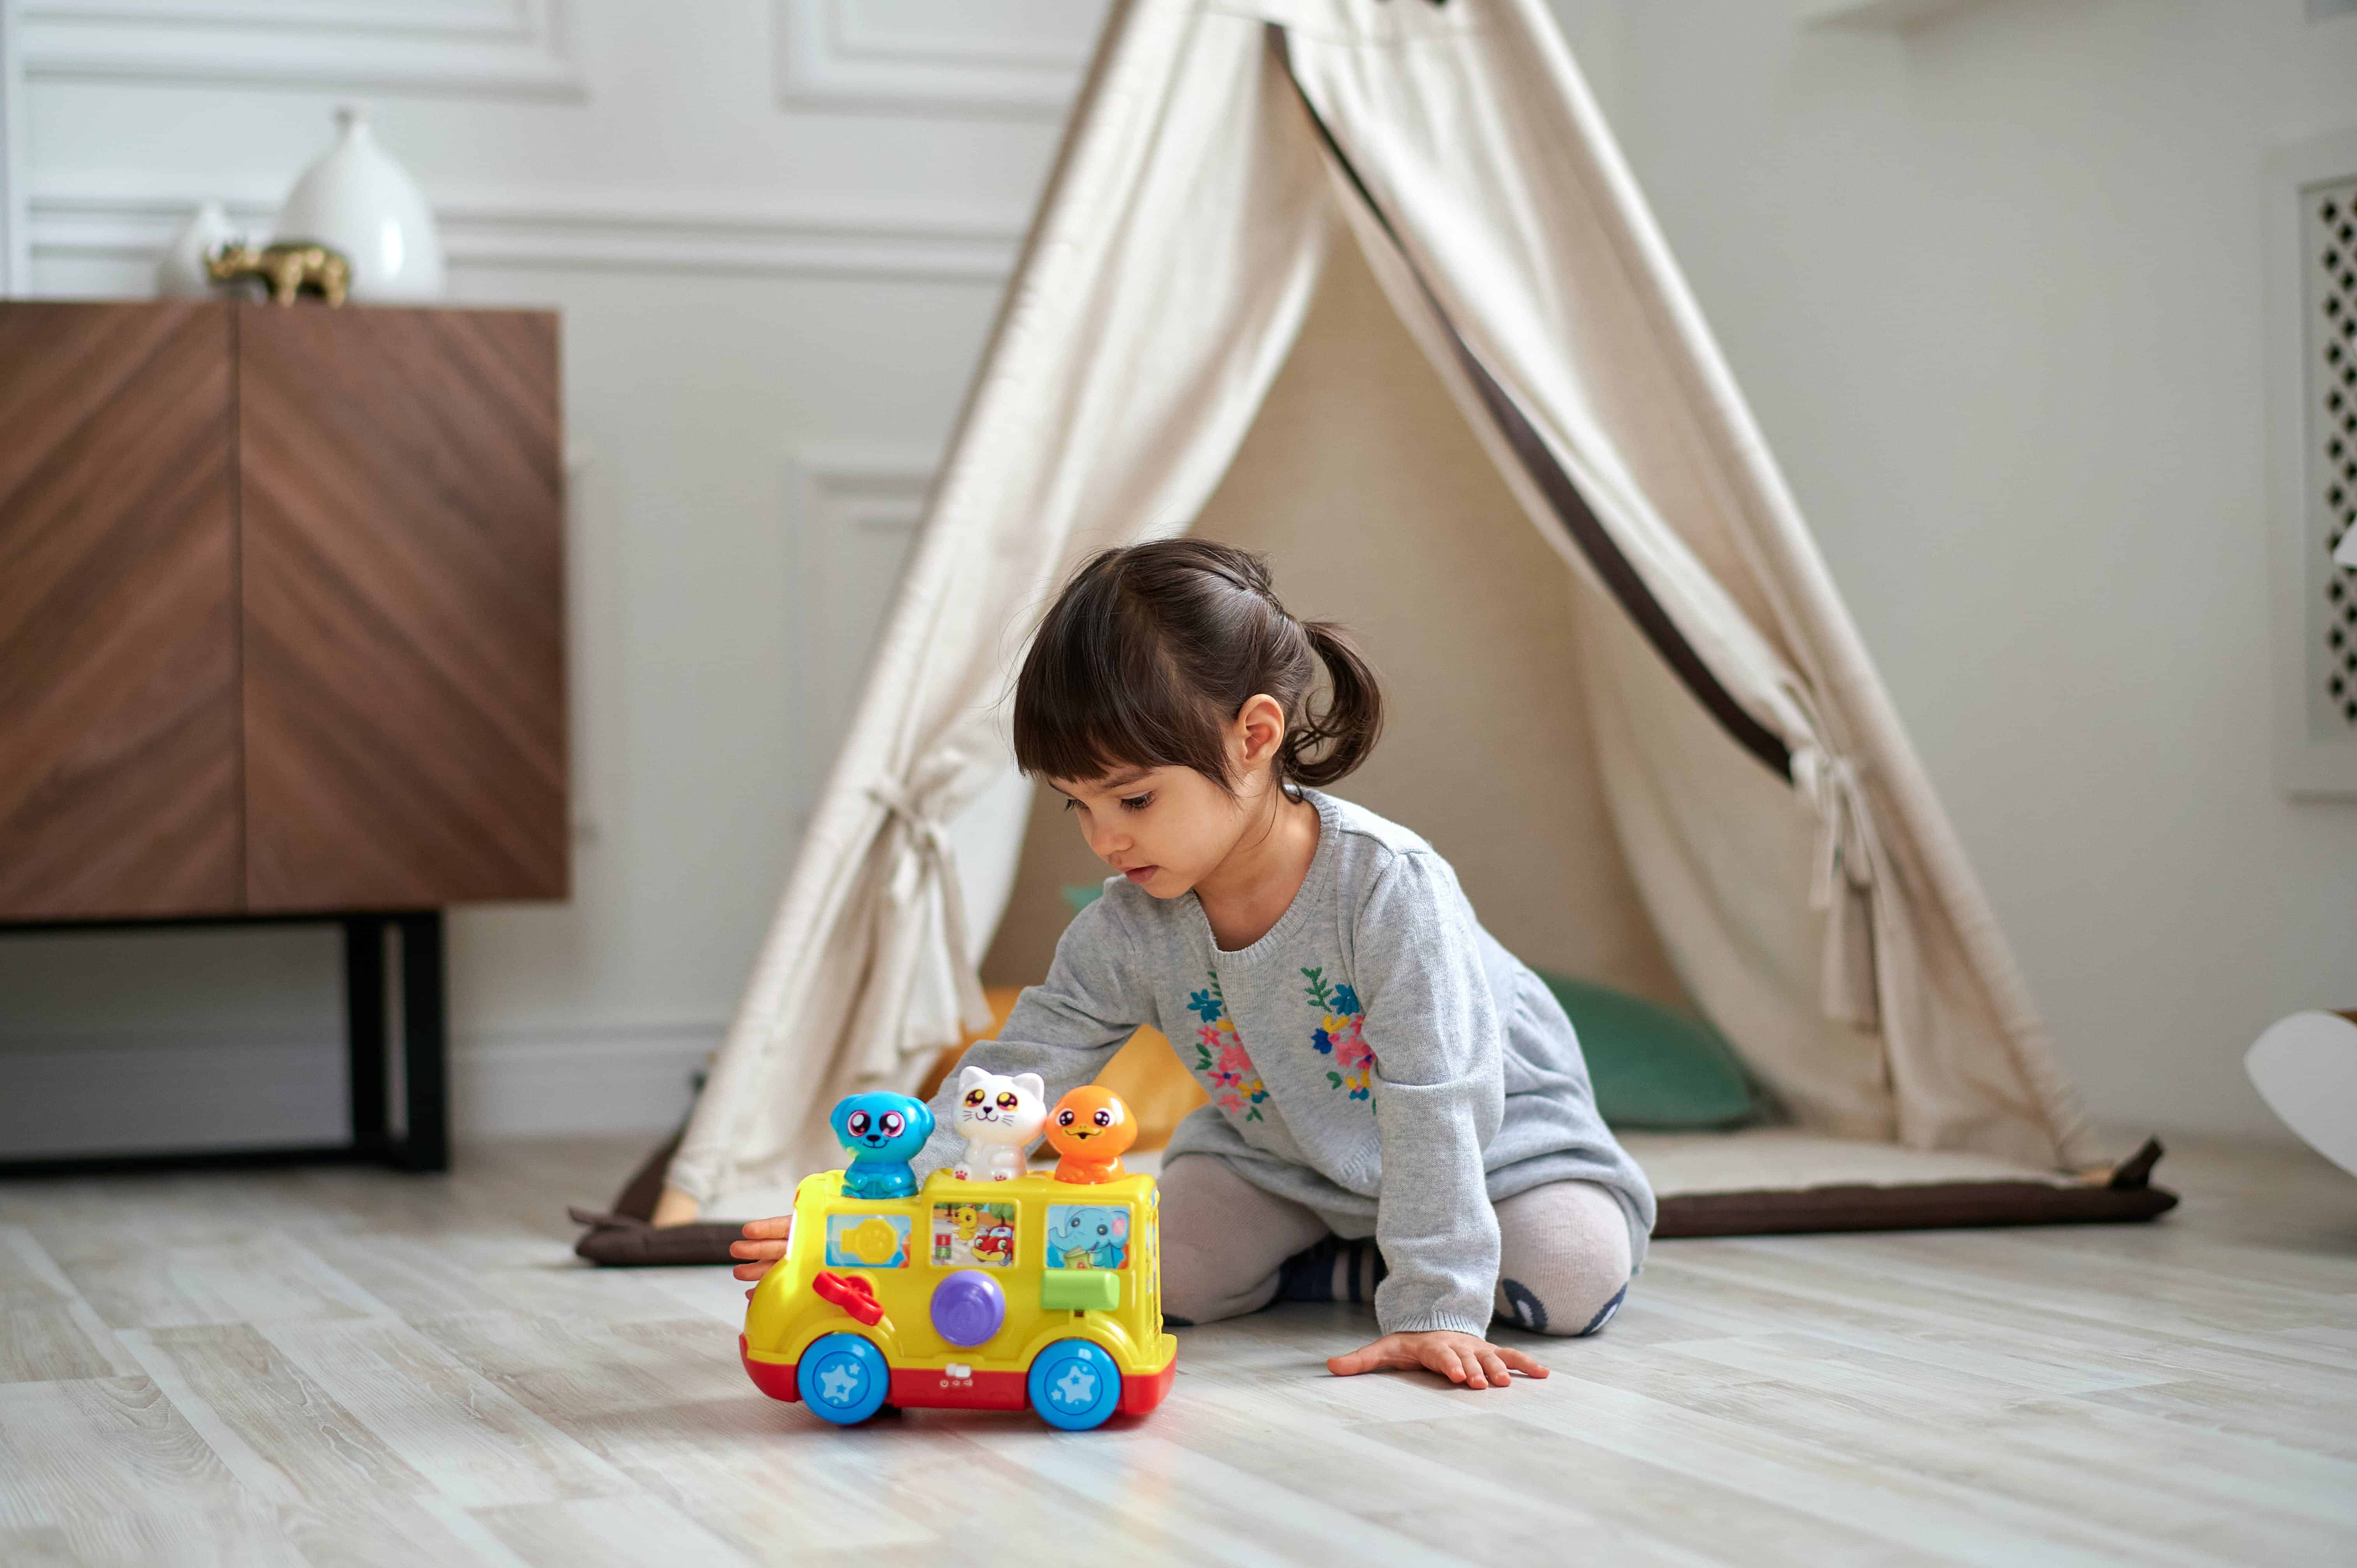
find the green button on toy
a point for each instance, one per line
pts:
(1080, 1290)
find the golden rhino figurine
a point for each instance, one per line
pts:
(288, 269)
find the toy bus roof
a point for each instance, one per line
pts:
(939, 1186)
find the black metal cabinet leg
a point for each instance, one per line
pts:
(425, 1047)
(426, 1044)
(364, 1029)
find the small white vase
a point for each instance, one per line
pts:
(356, 199)
(180, 271)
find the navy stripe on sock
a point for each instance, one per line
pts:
(1309, 1274)
(1604, 1315)
(1332, 1269)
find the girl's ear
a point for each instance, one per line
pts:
(1258, 733)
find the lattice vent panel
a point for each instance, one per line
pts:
(2331, 418)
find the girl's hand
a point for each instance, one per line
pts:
(1461, 1357)
(764, 1244)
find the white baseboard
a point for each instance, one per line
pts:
(141, 1091)
(154, 1089)
(605, 1079)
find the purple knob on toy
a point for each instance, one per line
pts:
(968, 1308)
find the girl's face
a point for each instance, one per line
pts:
(1163, 828)
(1167, 829)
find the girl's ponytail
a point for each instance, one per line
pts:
(1350, 723)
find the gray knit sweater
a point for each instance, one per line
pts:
(1377, 1056)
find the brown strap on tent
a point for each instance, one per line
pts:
(1563, 496)
(2136, 1171)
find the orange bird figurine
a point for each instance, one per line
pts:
(1089, 1129)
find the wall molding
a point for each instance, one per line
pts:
(144, 1088)
(541, 1081)
(618, 231)
(500, 49)
(1876, 15)
(128, 1089)
(16, 167)
(849, 470)
(852, 514)
(856, 511)
(832, 55)
(2315, 757)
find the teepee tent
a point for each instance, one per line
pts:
(1741, 792)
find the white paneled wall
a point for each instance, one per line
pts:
(930, 57)
(778, 230)
(1997, 284)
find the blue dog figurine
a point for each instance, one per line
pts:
(882, 1131)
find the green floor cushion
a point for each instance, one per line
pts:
(1653, 1068)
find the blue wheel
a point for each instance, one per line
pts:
(1074, 1385)
(842, 1378)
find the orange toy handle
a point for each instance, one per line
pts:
(855, 1296)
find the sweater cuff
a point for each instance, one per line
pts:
(1438, 1323)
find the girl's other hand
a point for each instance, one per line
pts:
(764, 1244)
(1461, 1357)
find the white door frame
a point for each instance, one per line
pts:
(16, 167)
(2307, 765)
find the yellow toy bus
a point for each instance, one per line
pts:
(970, 1294)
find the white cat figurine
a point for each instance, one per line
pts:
(997, 1117)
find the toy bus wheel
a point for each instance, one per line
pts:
(842, 1378)
(1074, 1385)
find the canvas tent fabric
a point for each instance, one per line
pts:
(1779, 833)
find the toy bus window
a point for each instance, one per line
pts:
(867, 1241)
(1088, 1236)
(972, 1235)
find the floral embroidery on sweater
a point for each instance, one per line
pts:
(1221, 1056)
(1341, 1034)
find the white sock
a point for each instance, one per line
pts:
(1563, 1258)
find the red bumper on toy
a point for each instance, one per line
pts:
(775, 1379)
(1139, 1395)
(914, 1388)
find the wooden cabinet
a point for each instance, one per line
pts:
(120, 788)
(281, 610)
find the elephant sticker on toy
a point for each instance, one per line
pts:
(1087, 1236)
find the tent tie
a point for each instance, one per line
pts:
(1840, 883)
(951, 1002)
(930, 832)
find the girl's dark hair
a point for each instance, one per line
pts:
(1150, 652)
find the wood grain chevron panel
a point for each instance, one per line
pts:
(401, 484)
(119, 790)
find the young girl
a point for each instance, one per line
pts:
(1378, 1065)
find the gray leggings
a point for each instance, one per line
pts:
(1563, 1261)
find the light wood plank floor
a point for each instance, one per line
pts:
(334, 1366)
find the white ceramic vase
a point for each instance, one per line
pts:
(180, 272)
(356, 199)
